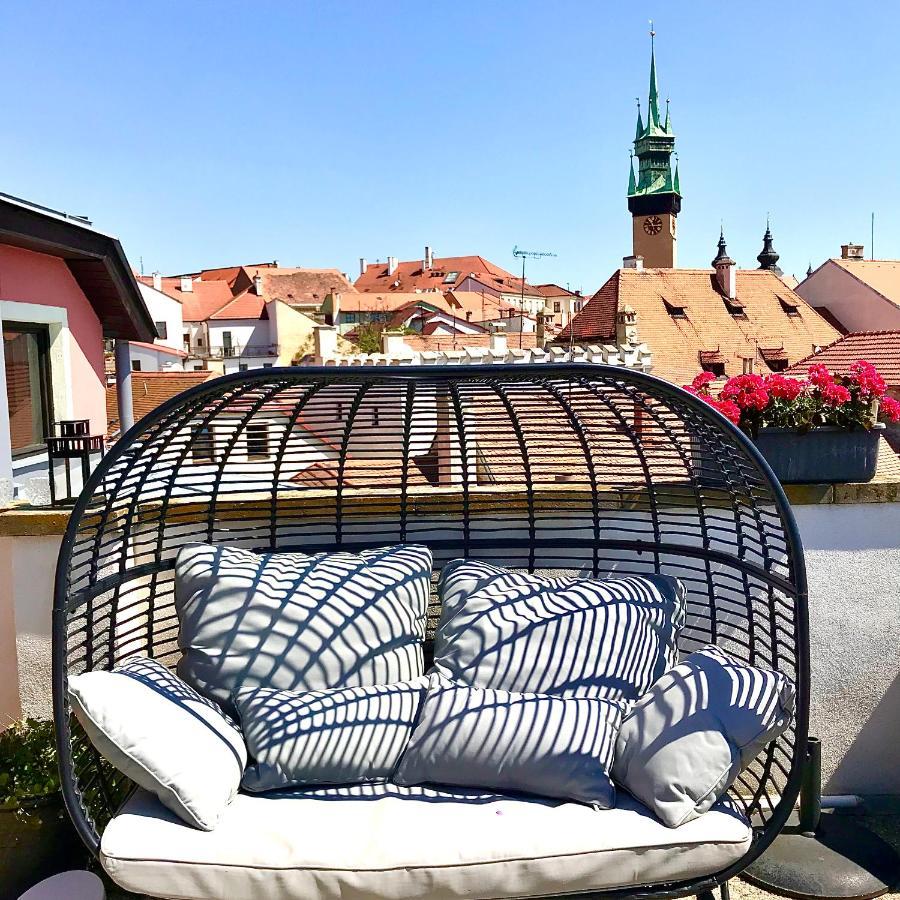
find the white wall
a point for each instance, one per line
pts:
(155, 360)
(164, 308)
(856, 305)
(27, 568)
(853, 564)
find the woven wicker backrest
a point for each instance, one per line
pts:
(592, 470)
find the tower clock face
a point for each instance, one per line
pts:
(653, 225)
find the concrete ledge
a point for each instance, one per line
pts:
(24, 521)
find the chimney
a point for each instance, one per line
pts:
(852, 251)
(626, 326)
(726, 269)
(631, 262)
(392, 265)
(498, 342)
(363, 265)
(157, 281)
(540, 331)
(428, 265)
(257, 285)
(325, 338)
(187, 284)
(392, 343)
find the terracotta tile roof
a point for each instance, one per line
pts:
(246, 305)
(371, 302)
(304, 287)
(453, 319)
(553, 290)
(411, 275)
(482, 306)
(149, 390)
(199, 303)
(681, 313)
(881, 348)
(162, 348)
(359, 473)
(438, 342)
(882, 275)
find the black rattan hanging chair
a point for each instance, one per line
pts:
(593, 469)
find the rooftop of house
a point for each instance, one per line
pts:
(882, 275)
(445, 274)
(148, 391)
(304, 287)
(390, 302)
(480, 305)
(246, 305)
(554, 290)
(96, 260)
(881, 348)
(685, 318)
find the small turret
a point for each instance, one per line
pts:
(725, 268)
(768, 259)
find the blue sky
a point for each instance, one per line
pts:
(207, 134)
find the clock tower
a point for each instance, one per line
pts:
(654, 196)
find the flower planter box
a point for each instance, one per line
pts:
(822, 455)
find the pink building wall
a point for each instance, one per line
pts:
(28, 277)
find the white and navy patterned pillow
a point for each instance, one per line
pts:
(553, 746)
(567, 637)
(687, 739)
(298, 622)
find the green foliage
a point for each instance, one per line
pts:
(368, 338)
(28, 765)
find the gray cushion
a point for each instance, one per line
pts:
(163, 735)
(296, 622)
(687, 739)
(568, 637)
(340, 736)
(553, 746)
(398, 843)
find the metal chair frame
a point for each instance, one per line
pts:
(592, 469)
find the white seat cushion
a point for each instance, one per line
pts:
(385, 841)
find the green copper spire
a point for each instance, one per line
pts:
(631, 182)
(653, 112)
(677, 184)
(654, 144)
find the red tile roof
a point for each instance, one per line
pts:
(370, 302)
(149, 390)
(706, 325)
(439, 342)
(201, 301)
(246, 305)
(882, 275)
(162, 348)
(482, 306)
(881, 348)
(553, 290)
(411, 275)
(304, 287)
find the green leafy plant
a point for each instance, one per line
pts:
(28, 762)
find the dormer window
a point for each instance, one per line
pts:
(451, 277)
(735, 307)
(712, 361)
(776, 358)
(791, 308)
(674, 310)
